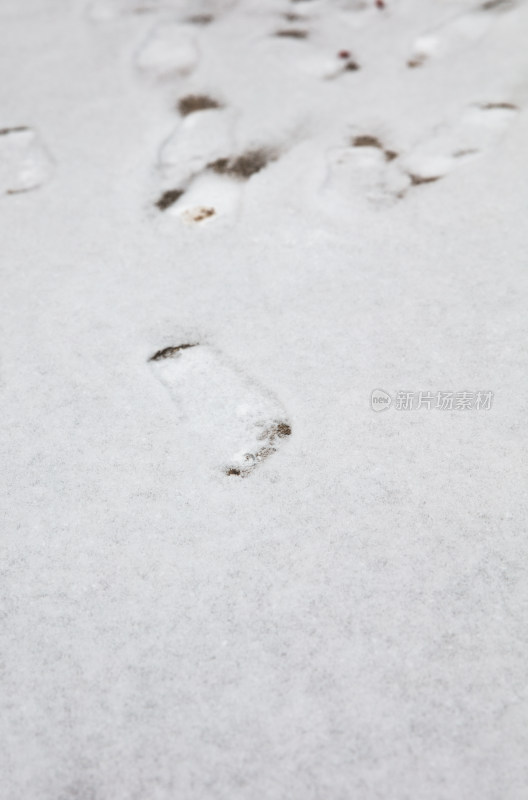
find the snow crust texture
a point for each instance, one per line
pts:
(223, 225)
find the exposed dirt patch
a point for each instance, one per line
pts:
(245, 165)
(169, 352)
(464, 153)
(199, 214)
(417, 61)
(418, 180)
(168, 199)
(283, 429)
(196, 102)
(292, 33)
(367, 141)
(279, 430)
(373, 141)
(505, 106)
(270, 436)
(18, 129)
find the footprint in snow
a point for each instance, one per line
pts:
(365, 168)
(217, 190)
(25, 163)
(479, 129)
(202, 180)
(241, 423)
(203, 135)
(207, 198)
(170, 49)
(369, 169)
(464, 30)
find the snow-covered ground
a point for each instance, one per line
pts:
(225, 576)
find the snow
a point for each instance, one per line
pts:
(346, 618)
(24, 162)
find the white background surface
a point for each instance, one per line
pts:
(350, 620)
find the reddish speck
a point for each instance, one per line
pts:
(344, 54)
(380, 4)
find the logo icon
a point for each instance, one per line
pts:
(380, 400)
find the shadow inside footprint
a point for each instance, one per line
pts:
(196, 102)
(245, 165)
